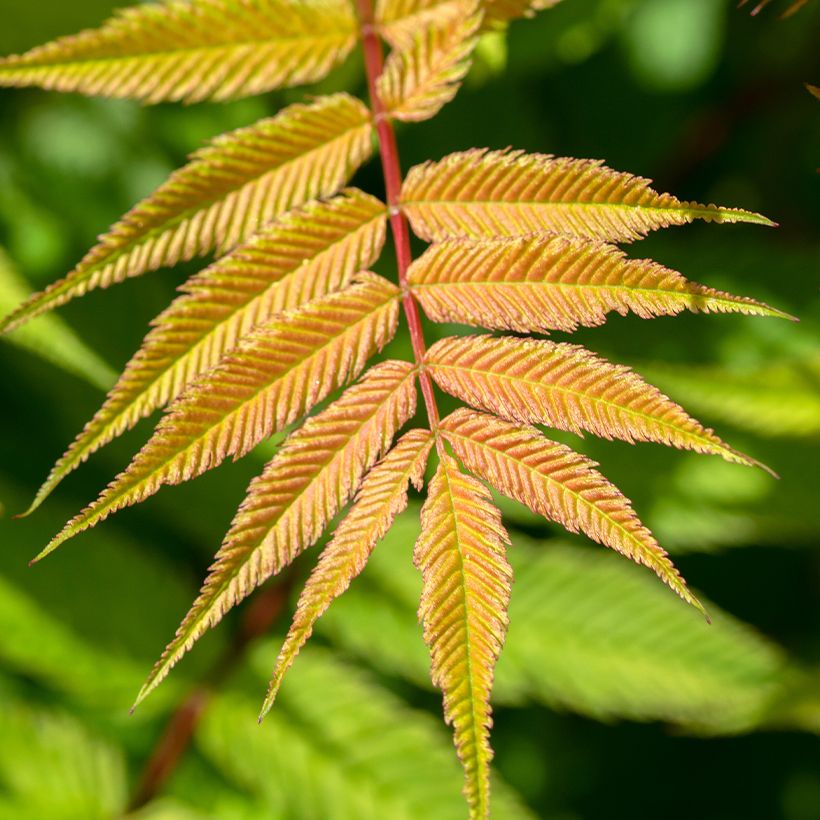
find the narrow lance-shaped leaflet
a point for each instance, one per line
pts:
(400, 21)
(417, 82)
(558, 483)
(193, 51)
(465, 595)
(485, 194)
(567, 387)
(543, 283)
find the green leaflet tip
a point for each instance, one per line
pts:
(52, 545)
(731, 215)
(270, 698)
(143, 693)
(38, 500)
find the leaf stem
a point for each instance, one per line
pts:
(391, 167)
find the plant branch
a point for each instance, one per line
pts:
(391, 167)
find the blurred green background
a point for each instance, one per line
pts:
(613, 699)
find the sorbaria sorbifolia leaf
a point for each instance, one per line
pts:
(274, 335)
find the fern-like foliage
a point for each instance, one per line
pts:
(382, 497)
(289, 314)
(399, 21)
(306, 254)
(566, 387)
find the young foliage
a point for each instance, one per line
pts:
(615, 643)
(485, 194)
(194, 50)
(312, 477)
(382, 497)
(566, 387)
(464, 600)
(289, 313)
(399, 21)
(306, 254)
(557, 483)
(419, 81)
(543, 283)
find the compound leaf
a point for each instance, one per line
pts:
(567, 387)
(383, 495)
(305, 254)
(559, 484)
(466, 592)
(302, 488)
(193, 51)
(279, 372)
(544, 283)
(223, 195)
(481, 193)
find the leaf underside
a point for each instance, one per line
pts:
(544, 283)
(223, 195)
(567, 387)
(194, 51)
(279, 372)
(559, 484)
(481, 193)
(306, 254)
(302, 488)
(465, 595)
(382, 496)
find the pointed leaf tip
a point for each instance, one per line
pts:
(461, 554)
(560, 484)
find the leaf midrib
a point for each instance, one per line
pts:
(680, 207)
